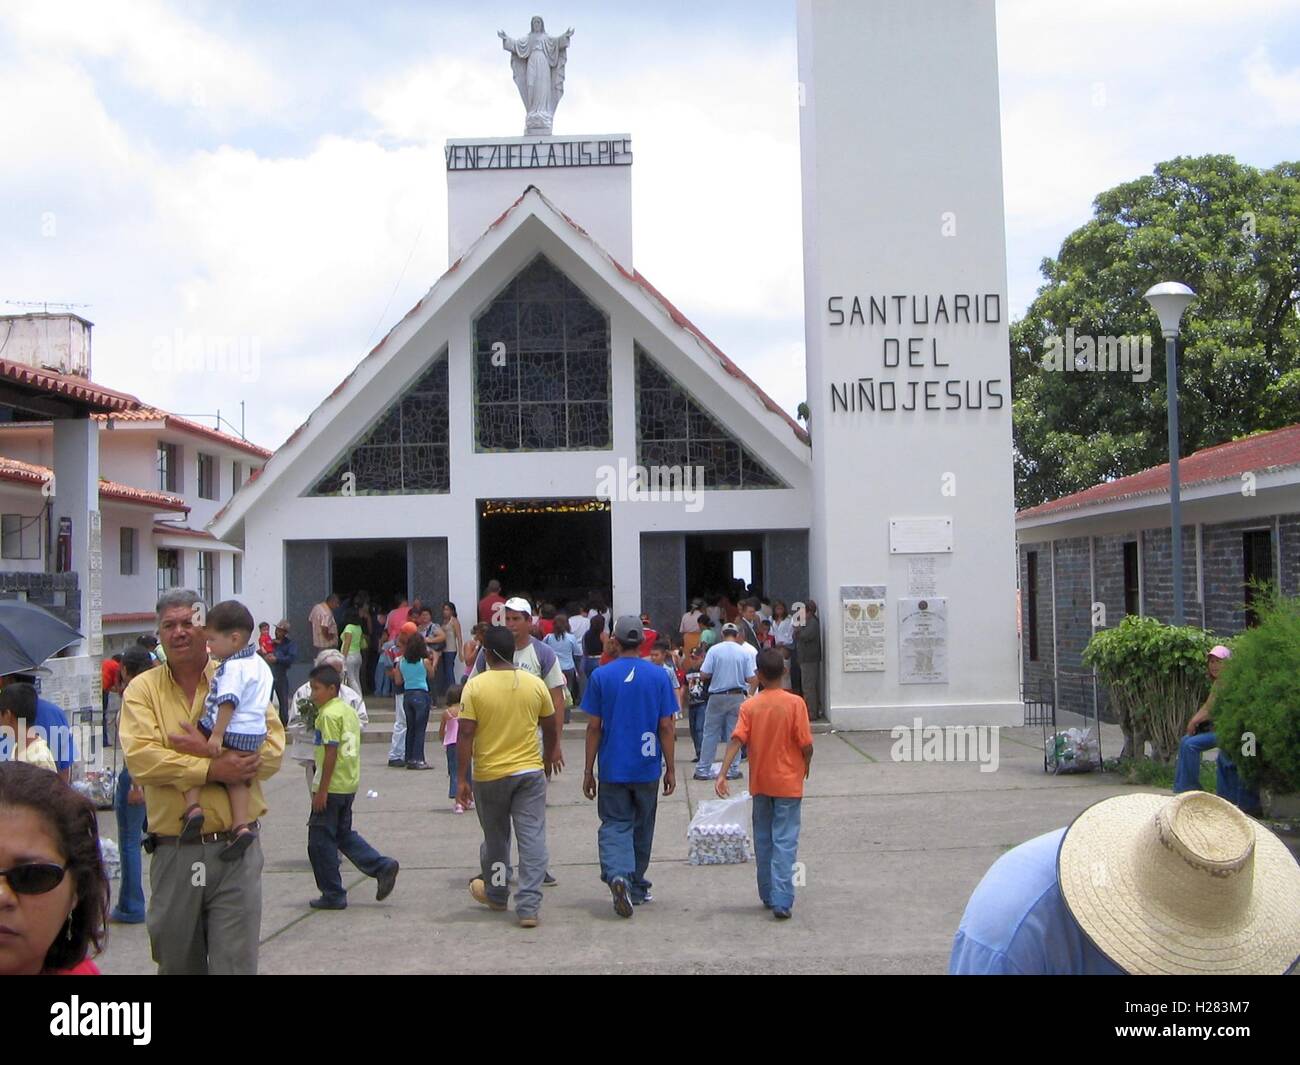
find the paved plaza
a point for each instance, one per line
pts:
(892, 852)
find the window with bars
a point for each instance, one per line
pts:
(406, 451)
(674, 429)
(169, 569)
(207, 476)
(168, 467)
(208, 577)
(127, 552)
(1257, 566)
(542, 367)
(1132, 586)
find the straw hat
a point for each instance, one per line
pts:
(1182, 885)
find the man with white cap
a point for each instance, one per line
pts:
(1140, 884)
(1201, 737)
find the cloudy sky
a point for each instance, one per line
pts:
(273, 173)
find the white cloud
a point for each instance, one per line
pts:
(175, 59)
(1278, 93)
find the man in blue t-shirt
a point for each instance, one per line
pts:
(631, 708)
(54, 726)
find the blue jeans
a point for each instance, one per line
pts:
(415, 704)
(329, 834)
(130, 829)
(719, 723)
(1187, 771)
(383, 682)
(1228, 784)
(446, 671)
(627, 829)
(776, 843)
(696, 717)
(590, 663)
(453, 766)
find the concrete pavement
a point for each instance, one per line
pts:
(891, 850)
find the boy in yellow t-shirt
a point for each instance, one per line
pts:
(334, 789)
(17, 717)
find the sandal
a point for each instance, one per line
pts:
(192, 825)
(234, 850)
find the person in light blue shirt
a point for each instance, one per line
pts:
(1140, 883)
(728, 676)
(568, 651)
(1017, 923)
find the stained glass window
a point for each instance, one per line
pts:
(541, 367)
(405, 451)
(673, 429)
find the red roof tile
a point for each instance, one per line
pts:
(69, 385)
(16, 472)
(1223, 462)
(181, 530)
(184, 425)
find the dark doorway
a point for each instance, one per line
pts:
(553, 549)
(374, 566)
(712, 561)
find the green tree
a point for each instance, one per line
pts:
(1231, 232)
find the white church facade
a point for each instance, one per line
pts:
(498, 430)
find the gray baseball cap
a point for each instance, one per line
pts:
(627, 629)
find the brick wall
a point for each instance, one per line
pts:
(1037, 673)
(1225, 570)
(56, 592)
(1157, 568)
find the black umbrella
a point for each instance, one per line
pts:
(29, 635)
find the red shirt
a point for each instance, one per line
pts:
(648, 643)
(487, 607)
(267, 644)
(546, 625)
(397, 617)
(110, 673)
(85, 967)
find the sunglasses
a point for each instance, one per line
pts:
(35, 878)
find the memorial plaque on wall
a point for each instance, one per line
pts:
(862, 608)
(923, 641)
(921, 578)
(920, 536)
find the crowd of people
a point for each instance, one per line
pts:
(1137, 883)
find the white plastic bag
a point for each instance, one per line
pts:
(719, 832)
(111, 857)
(1073, 751)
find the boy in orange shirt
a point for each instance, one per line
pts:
(774, 726)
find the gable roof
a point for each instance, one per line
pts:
(230, 514)
(66, 386)
(1263, 452)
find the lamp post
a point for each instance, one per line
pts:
(1169, 300)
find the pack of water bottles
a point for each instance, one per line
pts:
(719, 832)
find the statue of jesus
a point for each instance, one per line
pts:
(537, 62)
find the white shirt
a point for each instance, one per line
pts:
(578, 625)
(349, 695)
(245, 680)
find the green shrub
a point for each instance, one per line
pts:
(1156, 677)
(1258, 695)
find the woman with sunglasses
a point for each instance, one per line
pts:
(53, 891)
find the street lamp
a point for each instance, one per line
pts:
(1169, 300)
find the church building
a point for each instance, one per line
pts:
(543, 416)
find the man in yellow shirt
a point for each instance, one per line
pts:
(205, 915)
(499, 713)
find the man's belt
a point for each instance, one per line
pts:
(729, 691)
(153, 841)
